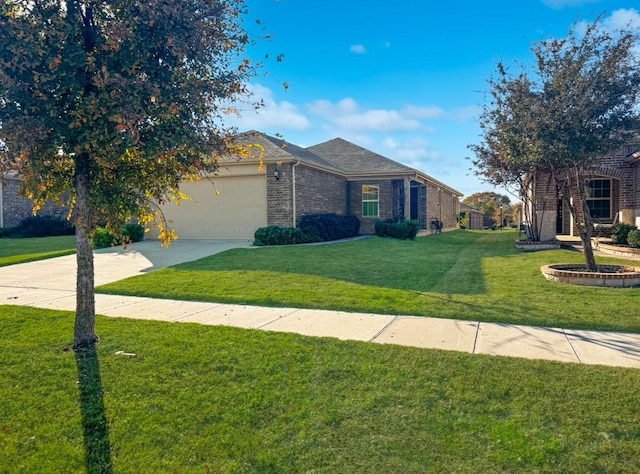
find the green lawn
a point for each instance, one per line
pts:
(461, 275)
(14, 251)
(203, 399)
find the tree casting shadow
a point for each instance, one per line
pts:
(94, 421)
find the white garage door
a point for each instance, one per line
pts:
(235, 212)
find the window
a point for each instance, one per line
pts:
(370, 201)
(599, 198)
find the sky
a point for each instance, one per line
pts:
(404, 78)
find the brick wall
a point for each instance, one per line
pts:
(15, 207)
(625, 187)
(385, 203)
(316, 192)
(279, 195)
(319, 192)
(443, 206)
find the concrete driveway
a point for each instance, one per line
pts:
(111, 264)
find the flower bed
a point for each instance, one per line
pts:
(615, 276)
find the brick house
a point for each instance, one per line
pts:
(14, 207)
(613, 194)
(332, 177)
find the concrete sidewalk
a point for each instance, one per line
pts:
(51, 284)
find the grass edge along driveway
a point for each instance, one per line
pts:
(477, 276)
(14, 251)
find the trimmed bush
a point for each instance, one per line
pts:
(330, 226)
(633, 239)
(276, 235)
(620, 233)
(103, 238)
(42, 226)
(132, 233)
(405, 230)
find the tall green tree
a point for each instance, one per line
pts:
(578, 103)
(493, 206)
(106, 105)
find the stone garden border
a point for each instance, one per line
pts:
(612, 276)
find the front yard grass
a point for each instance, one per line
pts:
(459, 275)
(14, 251)
(226, 400)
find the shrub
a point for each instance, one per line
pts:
(132, 232)
(330, 226)
(383, 228)
(276, 235)
(103, 238)
(620, 232)
(42, 226)
(405, 230)
(5, 232)
(633, 239)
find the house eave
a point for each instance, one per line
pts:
(632, 157)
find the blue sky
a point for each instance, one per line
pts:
(404, 78)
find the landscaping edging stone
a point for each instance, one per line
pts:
(534, 245)
(625, 277)
(618, 250)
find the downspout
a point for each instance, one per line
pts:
(293, 186)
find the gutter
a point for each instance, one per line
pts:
(293, 190)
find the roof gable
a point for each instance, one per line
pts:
(276, 149)
(355, 159)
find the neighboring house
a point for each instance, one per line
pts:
(613, 194)
(474, 216)
(332, 177)
(14, 208)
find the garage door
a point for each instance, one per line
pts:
(234, 212)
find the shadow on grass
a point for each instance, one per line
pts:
(94, 422)
(448, 263)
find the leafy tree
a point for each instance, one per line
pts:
(106, 105)
(490, 204)
(578, 103)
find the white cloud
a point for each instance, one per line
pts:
(413, 152)
(558, 4)
(623, 18)
(465, 114)
(347, 115)
(358, 49)
(429, 112)
(280, 116)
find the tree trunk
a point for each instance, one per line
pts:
(586, 232)
(581, 215)
(84, 330)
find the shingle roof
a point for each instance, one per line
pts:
(337, 155)
(276, 149)
(354, 159)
